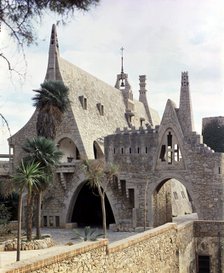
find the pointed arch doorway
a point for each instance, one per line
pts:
(87, 208)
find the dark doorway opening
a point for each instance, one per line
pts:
(203, 264)
(87, 209)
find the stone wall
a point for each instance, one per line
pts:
(170, 248)
(138, 253)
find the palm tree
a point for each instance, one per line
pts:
(51, 101)
(44, 152)
(99, 176)
(27, 176)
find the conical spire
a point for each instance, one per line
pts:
(143, 97)
(53, 72)
(185, 108)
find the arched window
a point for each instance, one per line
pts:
(69, 150)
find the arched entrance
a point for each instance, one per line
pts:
(87, 208)
(171, 202)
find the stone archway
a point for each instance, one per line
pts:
(69, 149)
(86, 209)
(170, 200)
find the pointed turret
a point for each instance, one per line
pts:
(143, 97)
(53, 72)
(185, 108)
(122, 81)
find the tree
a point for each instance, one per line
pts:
(213, 135)
(18, 17)
(27, 177)
(99, 175)
(44, 152)
(51, 101)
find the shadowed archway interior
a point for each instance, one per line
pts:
(87, 209)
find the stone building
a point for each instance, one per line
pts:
(104, 121)
(165, 170)
(95, 112)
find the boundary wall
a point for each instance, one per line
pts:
(165, 249)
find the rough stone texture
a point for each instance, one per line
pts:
(11, 245)
(166, 249)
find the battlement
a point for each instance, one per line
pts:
(140, 130)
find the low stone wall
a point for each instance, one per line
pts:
(154, 250)
(170, 248)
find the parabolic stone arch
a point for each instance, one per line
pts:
(74, 195)
(154, 189)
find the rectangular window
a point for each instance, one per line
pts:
(57, 221)
(183, 195)
(175, 195)
(45, 221)
(131, 194)
(123, 187)
(51, 221)
(83, 101)
(100, 108)
(203, 264)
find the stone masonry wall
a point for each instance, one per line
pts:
(170, 248)
(152, 251)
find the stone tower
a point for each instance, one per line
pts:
(53, 72)
(185, 109)
(143, 97)
(124, 86)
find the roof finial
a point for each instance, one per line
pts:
(122, 66)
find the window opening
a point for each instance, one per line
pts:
(146, 150)
(131, 194)
(138, 150)
(203, 264)
(183, 195)
(57, 221)
(130, 150)
(175, 195)
(163, 153)
(123, 187)
(122, 150)
(169, 140)
(45, 221)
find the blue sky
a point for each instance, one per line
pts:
(161, 38)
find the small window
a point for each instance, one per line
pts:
(51, 221)
(131, 193)
(175, 195)
(100, 108)
(130, 150)
(183, 195)
(163, 153)
(45, 221)
(146, 150)
(203, 264)
(57, 221)
(138, 150)
(114, 150)
(122, 150)
(123, 187)
(83, 101)
(141, 121)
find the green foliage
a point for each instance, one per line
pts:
(52, 93)
(52, 101)
(43, 151)
(213, 136)
(88, 234)
(27, 176)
